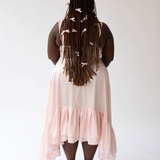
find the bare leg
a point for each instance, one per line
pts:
(70, 150)
(89, 150)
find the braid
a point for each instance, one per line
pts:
(80, 30)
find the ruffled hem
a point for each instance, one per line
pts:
(75, 124)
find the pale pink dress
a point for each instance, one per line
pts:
(78, 113)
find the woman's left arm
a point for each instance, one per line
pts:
(53, 48)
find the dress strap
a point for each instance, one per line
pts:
(62, 45)
(100, 29)
(59, 25)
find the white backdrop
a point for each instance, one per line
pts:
(134, 75)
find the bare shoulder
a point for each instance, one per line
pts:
(106, 30)
(55, 30)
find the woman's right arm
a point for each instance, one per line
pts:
(108, 49)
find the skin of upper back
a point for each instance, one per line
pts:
(107, 44)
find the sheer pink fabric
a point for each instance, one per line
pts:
(78, 113)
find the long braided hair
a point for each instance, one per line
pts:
(81, 35)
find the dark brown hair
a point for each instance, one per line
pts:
(80, 47)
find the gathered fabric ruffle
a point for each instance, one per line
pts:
(73, 124)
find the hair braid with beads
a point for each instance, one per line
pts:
(80, 29)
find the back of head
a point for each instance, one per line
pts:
(81, 40)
